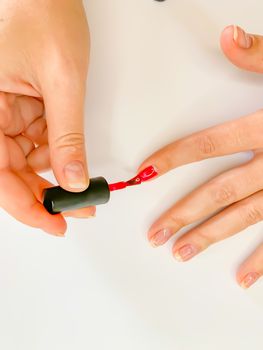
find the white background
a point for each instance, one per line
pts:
(156, 74)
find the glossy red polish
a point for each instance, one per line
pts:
(145, 175)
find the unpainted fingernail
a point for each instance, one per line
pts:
(57, 234)
(75, 175)
(249, 279)
(92, 216)
(84, 217)
(161, 237)
(242, 39)
(185, 253)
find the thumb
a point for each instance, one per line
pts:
(242, 49)
(64, 106)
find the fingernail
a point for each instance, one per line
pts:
(84, 217)
(148, 173)
(93, 216)
(57, 234)
(242, 39)
(60, 234)
(75, 175)
(161, 237)
(249, 279)
(186, 252)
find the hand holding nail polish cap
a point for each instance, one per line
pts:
(44, 62)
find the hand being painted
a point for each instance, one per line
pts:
(43, 68)
(238, 193)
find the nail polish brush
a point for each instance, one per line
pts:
(57, 200)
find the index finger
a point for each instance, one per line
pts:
(232, 137)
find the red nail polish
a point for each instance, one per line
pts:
(144, 176)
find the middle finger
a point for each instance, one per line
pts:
(218, 193)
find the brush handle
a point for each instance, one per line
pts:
(57, 200)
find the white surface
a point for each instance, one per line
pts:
(156, 74)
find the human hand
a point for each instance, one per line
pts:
(44, 61)
(237, 193)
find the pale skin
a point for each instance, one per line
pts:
(233, 200)
(44, 47)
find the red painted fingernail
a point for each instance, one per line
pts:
(148, 173)
(249, 279)
(145, 175)
(186, 252)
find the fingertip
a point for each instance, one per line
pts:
(53, 224)
(152, 231)
(75, 177)
(150, 235)
(235, 38)
(83, 213)
(150, 166)
(227, 38)
(239, 278)
(243, 49)
(165, 159)
(74, 189)
(59, 234)
(247, 279)
(143, 166)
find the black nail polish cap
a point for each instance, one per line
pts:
(57, 200)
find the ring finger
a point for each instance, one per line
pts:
(224, 190)
(252, 269)
(223, 225)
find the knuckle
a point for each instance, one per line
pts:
(205, 145)
(224, 195)
(70, 64)
(239, 138)
(250, 214)
(72, 70)
(177, 221)
(73, 142)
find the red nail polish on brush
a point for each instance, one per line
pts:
(57, 200)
